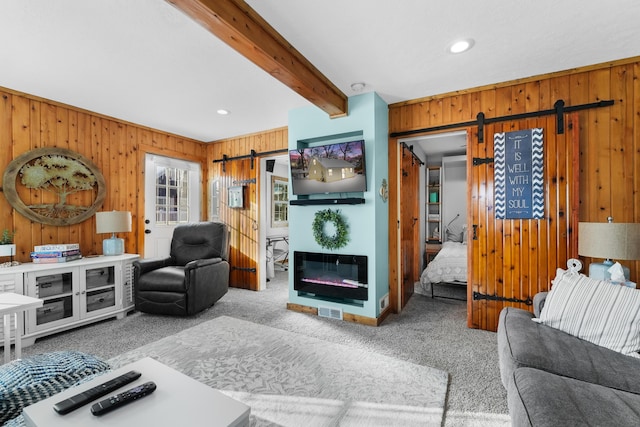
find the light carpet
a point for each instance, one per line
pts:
(289, 379)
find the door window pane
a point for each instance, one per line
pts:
(172, 195)
(279, 202)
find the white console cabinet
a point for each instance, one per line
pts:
(74, 293)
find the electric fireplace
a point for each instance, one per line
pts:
(331, 275)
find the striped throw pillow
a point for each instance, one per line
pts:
(593, 310)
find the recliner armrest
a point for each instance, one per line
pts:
(538, 302)
(208, 276)
(197, 263)
(145, 265)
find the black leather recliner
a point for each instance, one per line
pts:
(192, 278)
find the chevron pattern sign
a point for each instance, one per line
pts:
(518, 174)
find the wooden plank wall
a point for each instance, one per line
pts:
(410, 232)
(609, 148)
(511, 258)
(609, 137)
(243, 222)
(116, 147)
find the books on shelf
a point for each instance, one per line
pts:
(54, 260)
(54, 254)
(57, 247)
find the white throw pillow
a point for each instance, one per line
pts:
(455, 233)
(594, 310)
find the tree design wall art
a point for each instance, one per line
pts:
(54, 186)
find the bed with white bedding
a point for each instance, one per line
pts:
(449, 266)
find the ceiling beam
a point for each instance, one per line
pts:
(239, 26)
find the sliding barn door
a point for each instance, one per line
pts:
(409, 223)
(242, 220)
(510, 260)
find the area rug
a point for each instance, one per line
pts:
(289, 379)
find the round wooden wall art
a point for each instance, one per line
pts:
(57, 186)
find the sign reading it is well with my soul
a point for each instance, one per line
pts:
(518, 174)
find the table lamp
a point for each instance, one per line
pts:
(113, 222)
(608, 240)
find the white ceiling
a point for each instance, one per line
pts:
(146, 62)
(436, 146)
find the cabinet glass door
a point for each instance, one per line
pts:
(100, 285)
(56, 291)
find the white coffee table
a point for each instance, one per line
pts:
(178, 401)
(12, 304)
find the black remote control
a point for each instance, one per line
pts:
(114, 402)
(74, 402)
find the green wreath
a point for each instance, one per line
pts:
(336, 241)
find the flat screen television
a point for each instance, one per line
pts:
(331, 168)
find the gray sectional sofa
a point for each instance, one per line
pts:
(556, 379)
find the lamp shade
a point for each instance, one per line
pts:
(609, 240)
(113, 222)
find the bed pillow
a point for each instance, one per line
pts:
(593, 310)
(455, 233)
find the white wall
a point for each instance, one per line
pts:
(454, 190)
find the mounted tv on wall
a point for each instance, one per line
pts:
(331, 168)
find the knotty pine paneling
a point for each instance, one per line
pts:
(244, 223)
(608, 161)
(411, 260)
(116, 147)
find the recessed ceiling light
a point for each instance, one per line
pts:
(222, 112)
(461, 46)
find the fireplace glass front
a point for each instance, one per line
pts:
(331, 275)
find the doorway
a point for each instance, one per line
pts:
(172, 197)
(423, 223)
(436, 150)
(274, 217)
(512, 259)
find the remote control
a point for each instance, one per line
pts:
(74, 402)
(114, 402)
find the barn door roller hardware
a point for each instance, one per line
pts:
(224, 161)
(479, 296)
(415, 156)
(251, 156)
(558, 110)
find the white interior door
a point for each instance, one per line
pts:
(172, 197)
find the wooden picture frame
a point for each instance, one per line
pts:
(236, 197)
